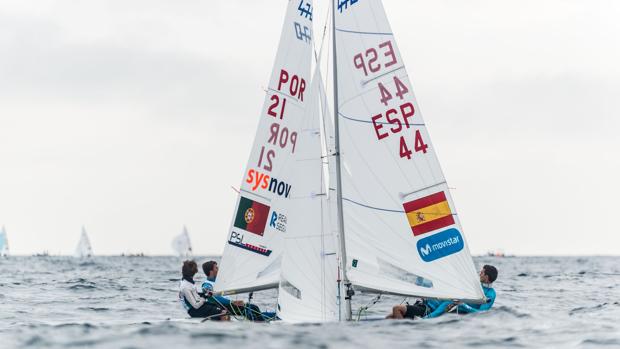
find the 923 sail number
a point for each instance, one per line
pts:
(373, 62)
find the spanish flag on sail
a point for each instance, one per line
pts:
(428, 213)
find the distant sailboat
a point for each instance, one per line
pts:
(182, 245)
(83, 249)
(4, 243)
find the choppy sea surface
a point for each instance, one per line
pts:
(130, 302)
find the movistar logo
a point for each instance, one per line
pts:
(440, 245)
(425, 250)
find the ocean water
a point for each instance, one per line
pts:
(130, 302)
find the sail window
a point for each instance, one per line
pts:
(401, 274)
(289, 288)
(274, 266)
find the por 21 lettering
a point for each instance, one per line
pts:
(296, 87)
(279, 135)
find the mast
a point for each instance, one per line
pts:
(343, 250)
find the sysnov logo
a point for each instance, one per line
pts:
(257, 179)
(440, 245)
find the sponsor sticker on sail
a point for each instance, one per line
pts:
(251, 216)
(428, 213)
(440, 245)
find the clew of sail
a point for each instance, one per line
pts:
(402, 232)
(84, 249)
(182, 245)
(308, 289)
(253, 250)
(4, 243)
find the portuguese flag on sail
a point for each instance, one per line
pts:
(251, 216)
(428, 213)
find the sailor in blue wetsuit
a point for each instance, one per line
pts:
(238, 307)
(431, 308)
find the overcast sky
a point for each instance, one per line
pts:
(136, 117)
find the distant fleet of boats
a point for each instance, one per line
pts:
(181, 244)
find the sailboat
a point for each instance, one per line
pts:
(182, 245)
(4, 243)
(84, 249)
(380, 218)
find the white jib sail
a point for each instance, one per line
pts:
(4, 243)
(182, 245)
(402, 232)
(308, 288)
(253, 251)
(83, 249)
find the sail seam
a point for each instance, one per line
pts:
(379, 208)
(370, 122)
(364, 83)
(360, 32)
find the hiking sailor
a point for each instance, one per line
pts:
(238, 307)
(430, 308)
(195, 305)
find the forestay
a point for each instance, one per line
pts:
(308, 289)
(253, 252)
(182, 245)
(403, 235)
(83, 248)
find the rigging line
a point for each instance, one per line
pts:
(368, 167)
(361, 32)
(316, 58)
(305, 236)
(372, 245)
(365, 105)
(364, 83)
(260, 196)
(363, 100)
(372, 207)
(373, 122)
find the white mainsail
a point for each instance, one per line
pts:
(4, 243)
(400, 225)
(84, 249)
(182, 245)
(253, 252)
(308, 289)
